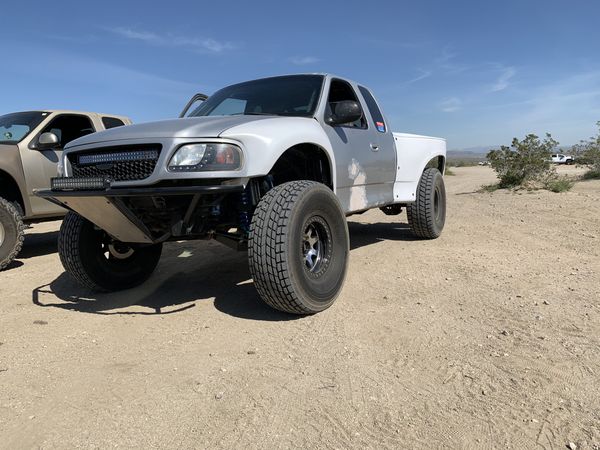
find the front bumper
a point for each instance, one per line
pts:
(107, 209)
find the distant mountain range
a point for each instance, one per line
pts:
(471, 152)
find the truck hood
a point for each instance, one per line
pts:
(192, 127)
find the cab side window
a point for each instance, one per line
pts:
(68, 127)
(340, 91)
(111, 122)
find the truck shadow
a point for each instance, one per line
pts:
(39, 244)
(363, 234)
(191, 273)
(187, 275)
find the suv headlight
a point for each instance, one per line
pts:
(206, 157)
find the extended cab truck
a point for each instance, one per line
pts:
(562, 159)
(272, 165)
(31, 146)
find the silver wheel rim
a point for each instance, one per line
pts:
(312, 247)
(117, 253)
(2, 234)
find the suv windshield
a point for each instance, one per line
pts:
(295, 95)
(15, 127)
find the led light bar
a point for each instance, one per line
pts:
(79, 184)
(136, 155)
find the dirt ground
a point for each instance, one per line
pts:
(488, 337)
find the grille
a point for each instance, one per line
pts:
(117, 163)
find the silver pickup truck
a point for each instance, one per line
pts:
(31, 145)
(272, 165)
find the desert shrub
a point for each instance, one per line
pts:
(449, 172)
(591, 175)
(558, 184)
(588, 154)
(524, 161)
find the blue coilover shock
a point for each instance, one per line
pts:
(244, 215)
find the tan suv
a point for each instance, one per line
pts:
(31, 144)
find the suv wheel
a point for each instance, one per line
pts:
(11, 232)
(99, 262)
(298, 247)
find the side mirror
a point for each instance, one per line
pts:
(198, 98)
(47, 141)
(346, 111)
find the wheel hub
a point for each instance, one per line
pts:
(316, 245)
(120, 251)
(2, 234)
(436, 204)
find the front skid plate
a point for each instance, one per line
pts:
(107, 213)
(107, 210)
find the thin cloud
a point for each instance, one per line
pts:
(447, 62)
(304, 60)
(451, 105)
(503, 80)
(198, 44)
(424, 74)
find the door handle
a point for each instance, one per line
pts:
(375, 147)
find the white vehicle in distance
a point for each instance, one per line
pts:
(272, 165)
(562, 159)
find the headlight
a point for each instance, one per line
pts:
(206, 157)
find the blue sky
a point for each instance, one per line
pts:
(475, 72)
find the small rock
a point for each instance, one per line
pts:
(223, 369)
(572, 446)
(219, 395)
(40, 322)
(546, 302)
(251, 352)
(31, 417)
(504, 332)
(519, 296)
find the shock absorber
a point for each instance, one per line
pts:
(244, 208)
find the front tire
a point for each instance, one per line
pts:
(98, 262)
(427, 215)
(12, 233)
(298, 247)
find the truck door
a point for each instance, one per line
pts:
(41, 165)
(364, 166)
(385, 138)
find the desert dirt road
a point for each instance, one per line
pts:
(488, 337)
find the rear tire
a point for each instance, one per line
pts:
(96, 261)
(427, 215)
(12, 233)
(298, 247)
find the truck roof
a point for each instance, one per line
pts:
(72, 111)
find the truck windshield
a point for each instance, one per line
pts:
(16, 126)
(294, 95)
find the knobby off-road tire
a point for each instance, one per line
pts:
(427, 215)
(298, 247)
(95, 261)
(12, 233)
